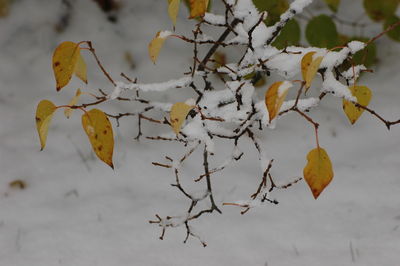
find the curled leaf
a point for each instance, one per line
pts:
(178, 114)
(318, 172)
(363, 95)
(156, 45)
(309, 68)
(74, 101)
(173, 10)
(80, 69)
(99, 130)
(274, 97)
(44, 113)
(65, 61)
(198, 8)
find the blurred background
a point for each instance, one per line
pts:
(62, 206)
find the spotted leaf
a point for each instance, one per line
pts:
(99, 130)
(67, 61)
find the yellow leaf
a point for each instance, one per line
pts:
(318, 172)
(363, 95)
(80, 69)
(178, 114)
(198, 8)
(74, 100)
(99, 130)
(44, 113)
(275, 96)
(65, 58)
(173, 10)
(309, 68)
(305, 63)
(156, 45)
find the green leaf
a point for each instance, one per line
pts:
(379, 10)
(275, 8)
(395, 33)
(321, 32)
(290, 35)
(366, 57)
(333, 4)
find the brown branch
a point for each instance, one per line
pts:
(93, 51)
(216, 45)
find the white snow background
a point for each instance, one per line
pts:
(80, 212)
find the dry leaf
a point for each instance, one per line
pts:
(275, 96)
(363, 95)
(198, 8)
(173, 10)
(99, 130)
(156, 45)
(309, 68)
(44, 113)
(74, 101)
(4, 8)
(318, 172)
(17, 184)
(65, 59)
(178, 114)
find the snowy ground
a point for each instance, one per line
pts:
(80, 212)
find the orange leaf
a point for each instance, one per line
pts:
(275, 96)
(44, 114)
(318, 172)
(99, 130)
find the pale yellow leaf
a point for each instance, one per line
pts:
(65, 58)
(80, 69)
(156, 45)
(309, 68)
(363, 95)
(318, 172)
(178, 114)
(74, 101)
(198, 8)
(275, 96)
(173, 10)
(99, 130)
(44, 113)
